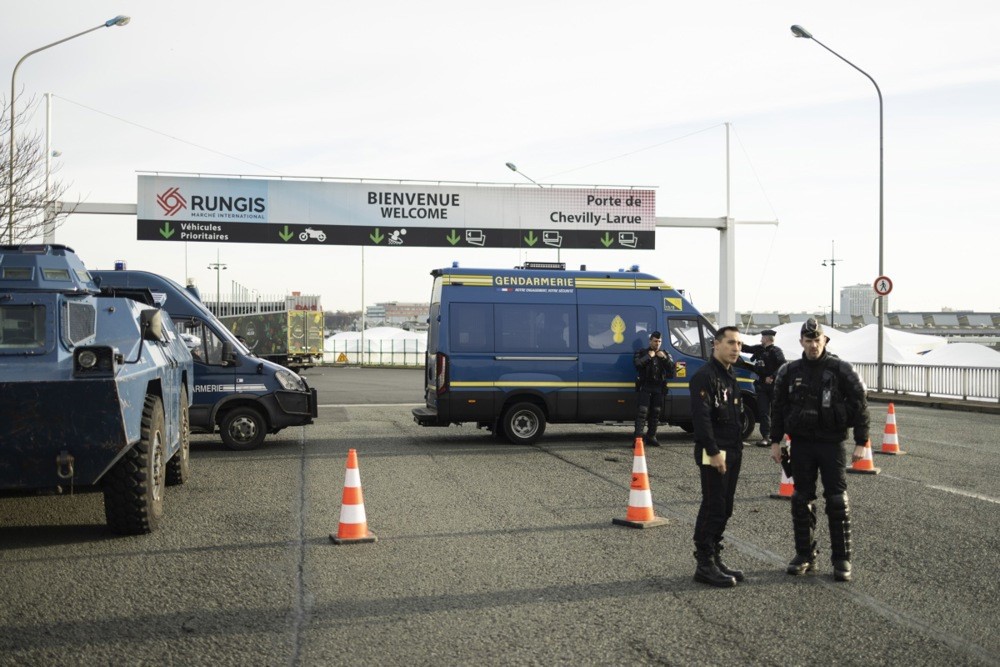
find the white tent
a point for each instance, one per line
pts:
(962, 354)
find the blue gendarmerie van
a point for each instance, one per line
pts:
(243, 396)
(514, 349)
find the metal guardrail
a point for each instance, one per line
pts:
(962, 382)
(965, 382)
(376, 353)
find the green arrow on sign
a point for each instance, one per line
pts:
(165, 231)
(531, 239)
(285, 234)
(608, 239)
(376, 237)
(453, 238)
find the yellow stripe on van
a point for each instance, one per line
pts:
(558, 385)
(620, 283)
(471, 280)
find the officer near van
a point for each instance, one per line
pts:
(816, 400)
(766, 358)
(716, 412)
(653, 368)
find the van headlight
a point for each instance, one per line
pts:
(289, 380)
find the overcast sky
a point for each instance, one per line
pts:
(581, 92)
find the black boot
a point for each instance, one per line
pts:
(803, 526)
(723, 568)
(838, 511)
(708, 572)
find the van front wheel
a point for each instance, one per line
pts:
(242, 428)
(523, 423)
(749, 419)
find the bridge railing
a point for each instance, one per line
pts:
(966, 382)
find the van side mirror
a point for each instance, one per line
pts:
(151, 322)
(227, 353)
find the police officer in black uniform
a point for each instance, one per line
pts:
(653, 368)
(816, 399)
(716, 412)
(766, 358)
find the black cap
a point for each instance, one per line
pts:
(656, 334)
(768, 332)
(812, 329)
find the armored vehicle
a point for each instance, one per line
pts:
(95, 388)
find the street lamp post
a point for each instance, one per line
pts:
(513, 167)
(118, 20)
(833, 269)
(799, 31)
(219, 267)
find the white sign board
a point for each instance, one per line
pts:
(187, 208)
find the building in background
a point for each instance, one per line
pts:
(398, 314)
(857, 299)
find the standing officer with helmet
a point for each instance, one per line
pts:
(653, 368)
(816, 399)
(767, 359)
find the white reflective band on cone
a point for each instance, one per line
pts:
(640, 498)
(352, 477)
(353, 514)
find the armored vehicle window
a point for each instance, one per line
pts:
(22, 326)
(83, 275)
(616, 329)
(535, 328)
(79, 323)
(17, 273)
(471, 328)
(55, 274)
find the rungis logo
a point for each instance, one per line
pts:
(171, 201)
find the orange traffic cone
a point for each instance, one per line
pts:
(353, 523)
(640, 500)
(866, 466)
(890, 439)
(787, 485)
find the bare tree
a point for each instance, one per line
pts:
(32, 202)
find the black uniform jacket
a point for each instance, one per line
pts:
(652, 373)
(766, 360)
(819, 401)
(716, 409)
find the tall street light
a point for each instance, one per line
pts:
(799, 31)
(219, 267)
(118, 20)
(833, 270)
(513, 167)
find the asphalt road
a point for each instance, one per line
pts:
(495, 554)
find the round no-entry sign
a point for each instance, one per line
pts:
(883, 285)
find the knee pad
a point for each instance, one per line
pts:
(654, 412)
(801, 506)
(643, 411)
(837, 506)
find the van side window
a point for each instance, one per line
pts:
(471, 327)
(535, 328)
(205, 346)
(617, 329)
(690, 337)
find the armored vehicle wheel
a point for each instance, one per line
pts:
(242, 428)
(133, 489)
(523, 423)
(179, 467)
